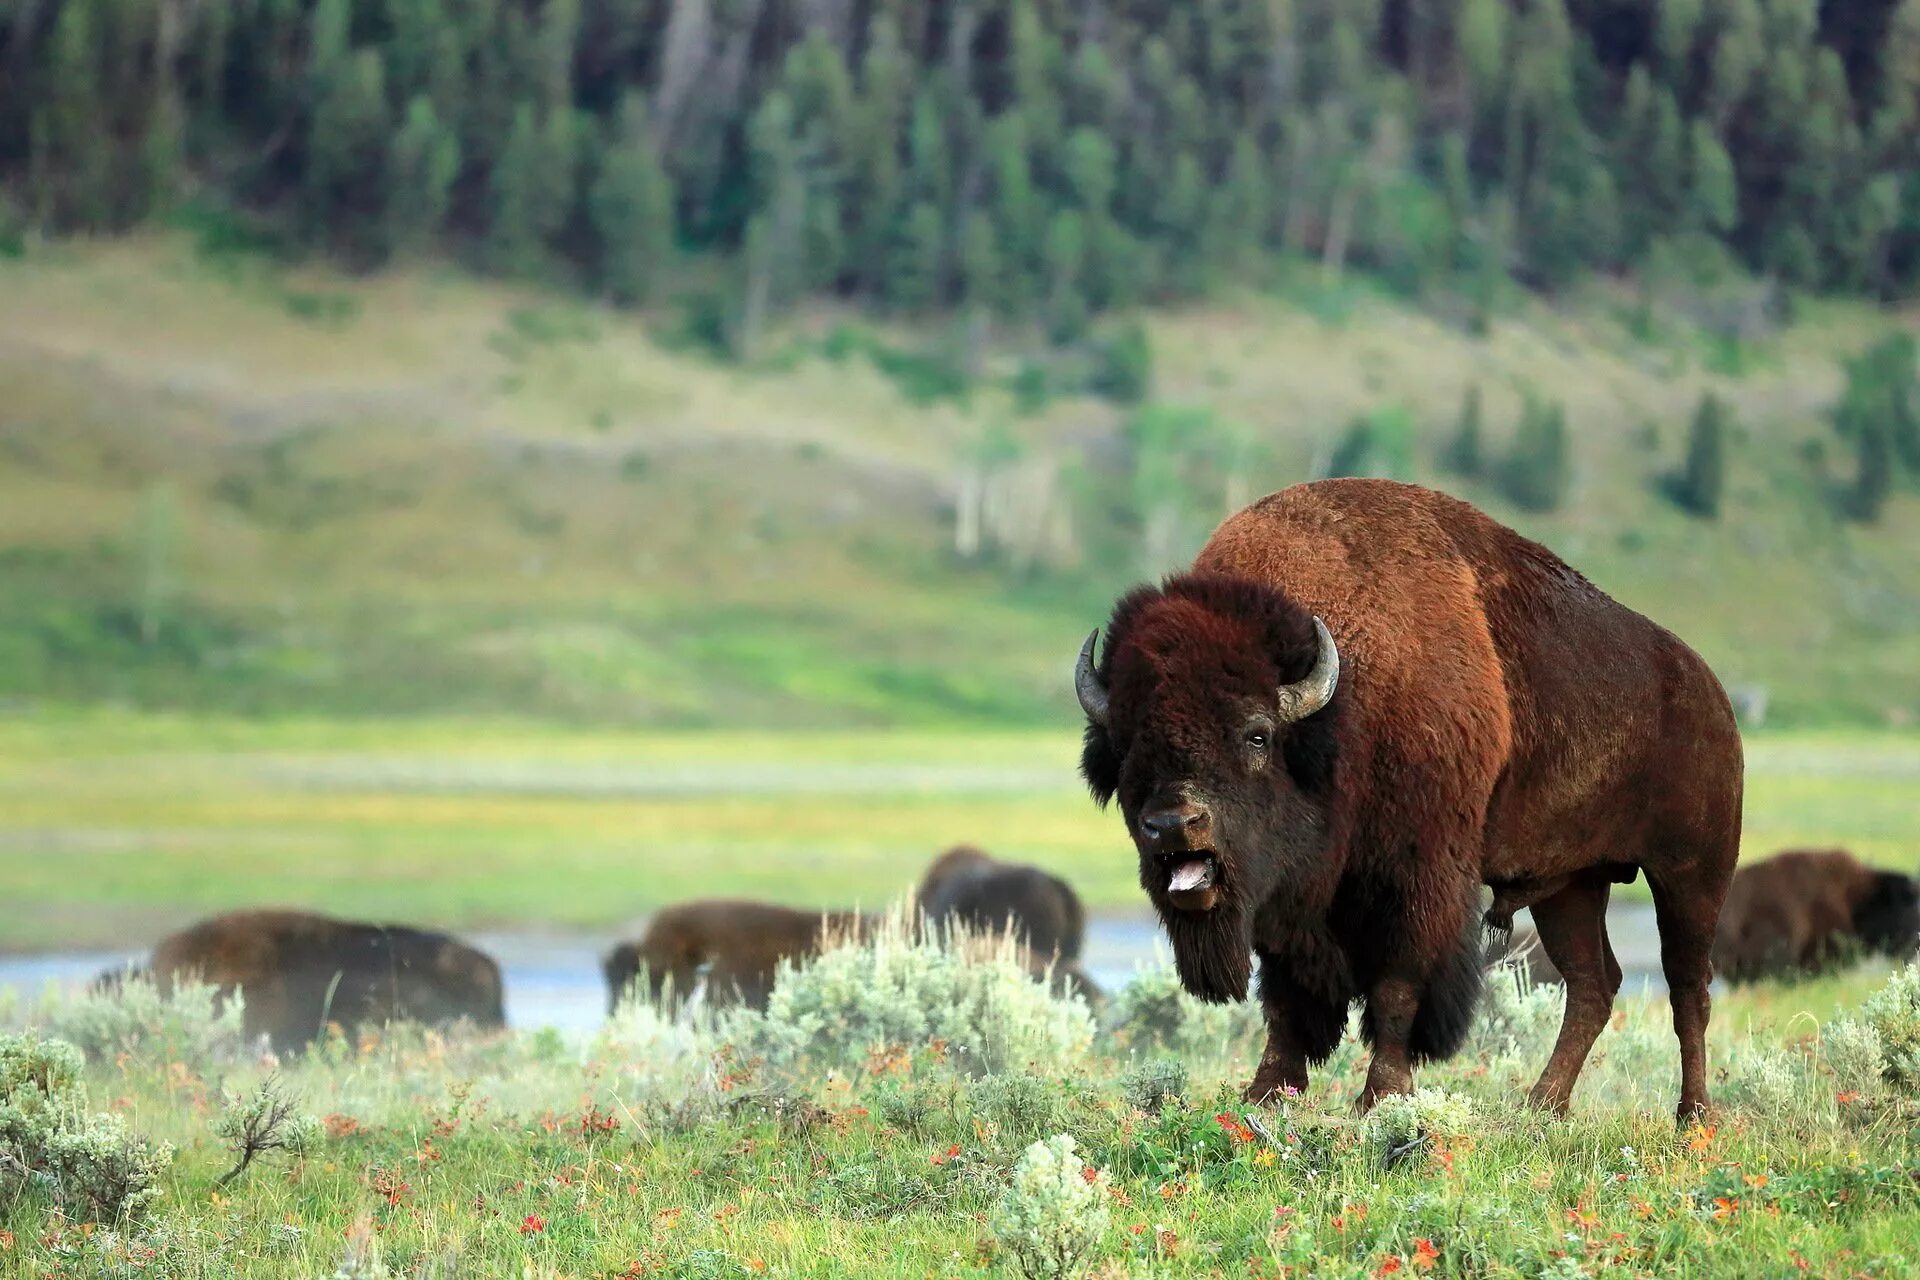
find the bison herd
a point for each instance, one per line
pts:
(298, 972)
(1368, 724)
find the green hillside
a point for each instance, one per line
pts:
(228, 485)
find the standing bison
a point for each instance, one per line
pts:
(1799, 911)
(1366, 700)
(297, 972)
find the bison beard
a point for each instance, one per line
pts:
(1364, 703)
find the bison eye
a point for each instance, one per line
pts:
(1257, 739)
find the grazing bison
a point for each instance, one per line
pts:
(297, 972)
(1802, 910)
(990, 896)
(1365, 701)
(738, 944)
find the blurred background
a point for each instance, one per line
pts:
(512, 464)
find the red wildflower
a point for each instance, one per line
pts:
(1238, 1132)
(1387, 1268)
(534, 1223)
(1425, 1255)
(939, 1158)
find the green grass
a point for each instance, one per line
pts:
(529, 1157)
(117, 826)
(446, 496)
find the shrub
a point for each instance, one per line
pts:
(1517, 1019)
(1404, 1120)
(1123, 366)
(970, 999)
(191, 1025)
(1151, 1086)
(1153, 1011)
(1766, 1082)
(87, 1161)
(1052, 1217)
(268, 1119)
(1883, 1046)
(1019, 1106)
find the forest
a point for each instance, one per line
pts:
(1033, 161)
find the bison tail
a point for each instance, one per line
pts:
(1451, 1000)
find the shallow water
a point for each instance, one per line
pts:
(553, 980)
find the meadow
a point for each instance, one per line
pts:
(880, 1120)
(116, 827)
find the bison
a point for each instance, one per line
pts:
(1802, 910)
(966, 885)
(297, 972)
(1365, 701)
(738, 945)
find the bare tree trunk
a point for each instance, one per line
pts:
(685, 49)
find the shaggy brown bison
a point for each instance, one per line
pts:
(1802, 910)
(1366, 700)
(737, 944)
(966, 885)
(298, 972)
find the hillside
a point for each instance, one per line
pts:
(225, 484)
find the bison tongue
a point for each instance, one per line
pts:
(1195, 873)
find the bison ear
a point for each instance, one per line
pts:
(1099, 765)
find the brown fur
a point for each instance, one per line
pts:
(1498, 721)
(738, 944)
(297, 972)
(1802, 910)
(990, 896)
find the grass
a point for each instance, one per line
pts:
(117, 826)
(425, 494)
(652, 1151)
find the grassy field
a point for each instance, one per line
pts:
(231, 485)
(115, 827)
(669, 1150)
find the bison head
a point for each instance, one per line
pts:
(1888, 916)
(1210, 717)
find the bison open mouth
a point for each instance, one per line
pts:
(1192, 880)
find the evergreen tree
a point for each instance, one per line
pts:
(1464, 456)
(631, 209)
(73, 157)
(1702, 482)
(1539, 469)
(522, 206)
(426, 160)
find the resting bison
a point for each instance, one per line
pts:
(990, 896)
(297, 972)
(738, 944)
(1365, 701)
(1802, 910)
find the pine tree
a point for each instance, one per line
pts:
(631, 208)
(426, 160)
(1714, 196)
(1702, 482)
(73, 156)
(516, 231)
(1539, 469)
(1463, 456)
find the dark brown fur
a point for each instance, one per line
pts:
(297, 972)
(1803, 910)
(990, 896)
(1498, 721)
(738, 944)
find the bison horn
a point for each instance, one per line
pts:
(1086, 683)
(1300, 700)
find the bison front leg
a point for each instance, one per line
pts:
(1304, 1023)
(1392, 1004)
(1283, 1064)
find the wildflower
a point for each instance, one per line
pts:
(1240, 1133)
(1387, 1268)
(1089, 1174)
(1724, 1208)
(1846, 1097)
(1425, 1254)
(1700, 1137)
(938, 1158)
(1755, 1180)
(1264, 1157)
(533, 1225)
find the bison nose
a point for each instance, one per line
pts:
(1175, 828)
